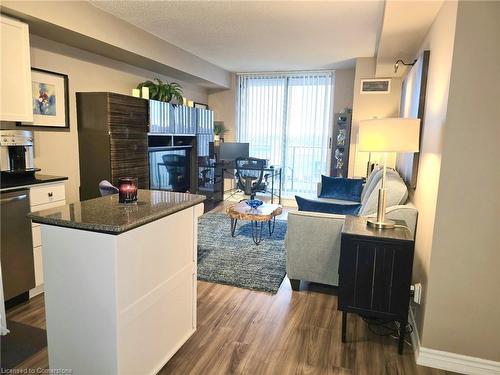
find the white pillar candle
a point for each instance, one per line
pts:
(136, 93)
(145, 92)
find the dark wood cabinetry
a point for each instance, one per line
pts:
(112, 140)
(375, 272)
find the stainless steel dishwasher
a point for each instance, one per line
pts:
(16, 246)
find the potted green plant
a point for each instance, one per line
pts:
(163, 91)
(219, 130)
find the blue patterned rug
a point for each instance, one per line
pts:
(237, 260)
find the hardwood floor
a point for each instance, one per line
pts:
(247, 332)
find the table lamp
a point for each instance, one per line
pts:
(387, 135)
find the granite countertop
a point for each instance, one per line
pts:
(106, 215)
(11, 183)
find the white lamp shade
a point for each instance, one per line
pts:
(389, 135)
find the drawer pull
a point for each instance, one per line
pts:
(51, 194)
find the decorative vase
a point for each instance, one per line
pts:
(216, 137)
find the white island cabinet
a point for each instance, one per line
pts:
(120, 281)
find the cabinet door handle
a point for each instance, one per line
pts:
(50, 194)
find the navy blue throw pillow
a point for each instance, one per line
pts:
(341, 188)
(326, 207)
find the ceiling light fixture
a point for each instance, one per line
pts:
(396, 65)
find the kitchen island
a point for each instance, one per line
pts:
(120, 281)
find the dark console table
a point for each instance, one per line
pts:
(375, 273)
(220, 170)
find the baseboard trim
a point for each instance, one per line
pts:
(36, 290)
(462, 364)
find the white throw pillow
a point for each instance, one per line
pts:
(397, 193)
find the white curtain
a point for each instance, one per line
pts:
(286, 119)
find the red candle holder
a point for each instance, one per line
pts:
(127, 190)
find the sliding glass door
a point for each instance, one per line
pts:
(286, 119)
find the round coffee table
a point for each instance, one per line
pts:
(257, 217)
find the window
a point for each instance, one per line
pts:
(286, 119)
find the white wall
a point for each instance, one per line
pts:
(367, 106)
(223, 103)
(462, 312)
(440, 43)
(344, 89)
(56, 152)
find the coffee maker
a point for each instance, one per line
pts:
(16, 152)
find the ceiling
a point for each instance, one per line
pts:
(246, 36)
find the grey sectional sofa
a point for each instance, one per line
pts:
(313, 239)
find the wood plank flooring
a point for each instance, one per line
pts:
(247, 332)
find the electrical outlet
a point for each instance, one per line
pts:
(417, 292)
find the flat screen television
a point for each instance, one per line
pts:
(230, 151)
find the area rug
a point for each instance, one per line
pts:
(21, 343)
(237, 260)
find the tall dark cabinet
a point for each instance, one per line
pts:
(340, 143)
(112, 140)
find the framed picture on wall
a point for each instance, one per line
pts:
(200, 105)
(49, 99)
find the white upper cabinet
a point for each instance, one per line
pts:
(15, 78)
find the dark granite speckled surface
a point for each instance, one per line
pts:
(9, 182)
(106, 215)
